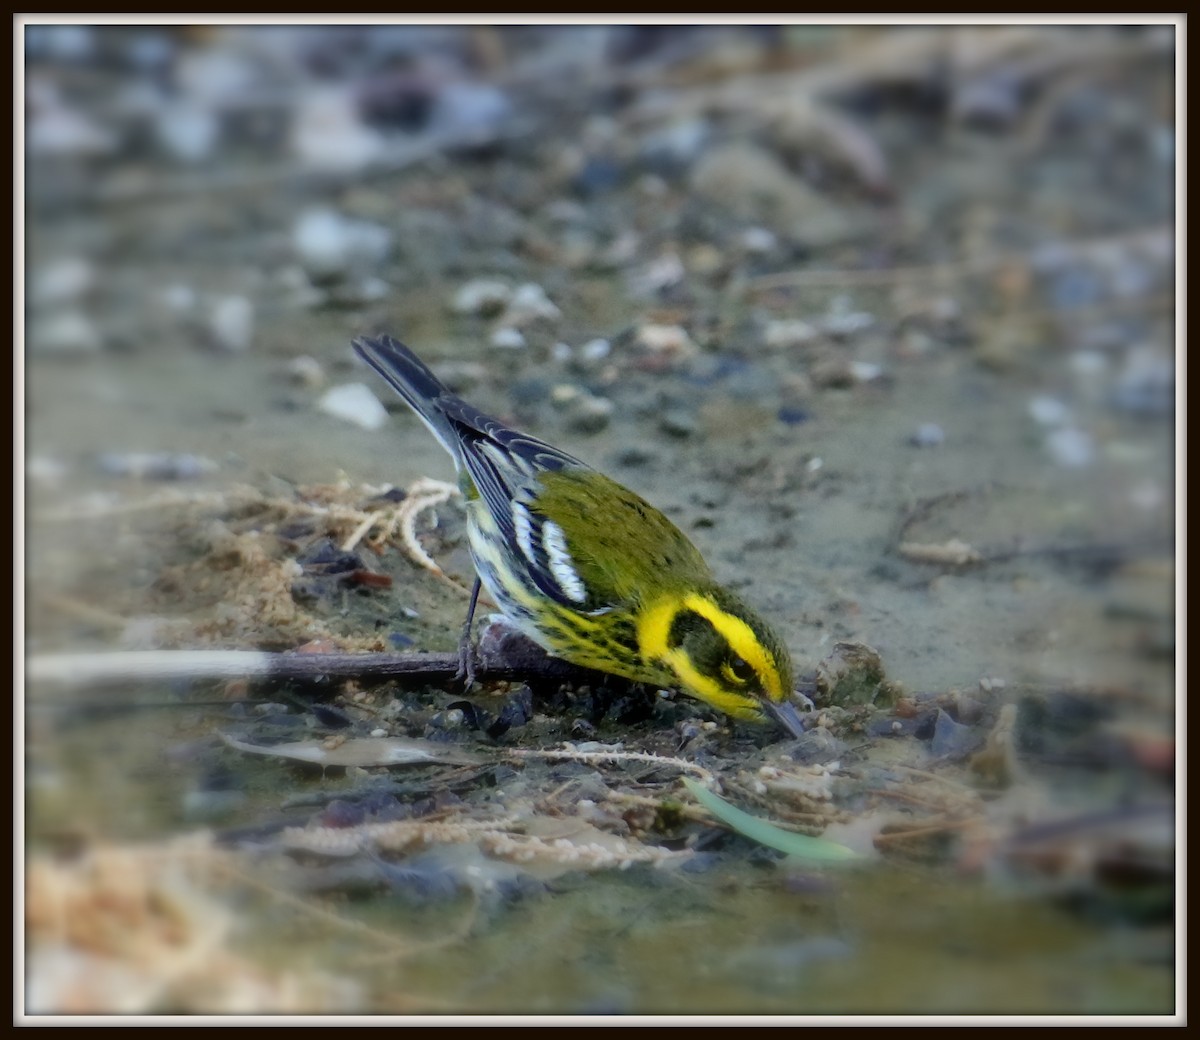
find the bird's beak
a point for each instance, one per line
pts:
(784, 713)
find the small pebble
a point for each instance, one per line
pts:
(215, 73)
(589, 414)
(293, 278)
(759, 240)
(1146, 383)
(564, 393)
(306, 371)
(659, 274)
(482, 296)
(561, 353)
(178, 298)
(915, 343)
(595, 350)
(160, 465)
(839, 374)
(831, 373)
(150, 52)
(678, 423)
(1076, 287)
(865, 371)
(1147, 496)
(61, 281)
(705, 260)
(62, 42)
(786, 334)
(529, 303)
(597, 175)
(1049, 411)
(928, 435)
(634, 456)
(469, 111)
(355, 403)
(622, 251)
(330, 245)
(55, 131)
(652, 186)
(672, 148)
(65, 332)
(1070, 447)
(566, 211)
(187, 132)
(328, 132)
(45, 470)
(844, 322)
(361, 291)
(1088, 366)
(319, 240)
(665, 339)
(993, 101)
(232, 323)
(507, 339)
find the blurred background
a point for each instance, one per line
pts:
(883, 317)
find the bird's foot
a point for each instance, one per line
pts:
(466, 662)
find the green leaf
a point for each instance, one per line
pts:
(802, 846)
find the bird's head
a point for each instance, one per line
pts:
(723, 653)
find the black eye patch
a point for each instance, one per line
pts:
(687, 626)
(704, 645)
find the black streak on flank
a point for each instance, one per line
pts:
(623, 634)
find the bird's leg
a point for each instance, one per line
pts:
(466, 653)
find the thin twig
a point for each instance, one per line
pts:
(905, 796)
(684, 809)
(923, 832)
(604, 757)
(519, 662)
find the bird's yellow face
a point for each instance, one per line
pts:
(720, 652)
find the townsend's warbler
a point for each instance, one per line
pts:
(589, 570)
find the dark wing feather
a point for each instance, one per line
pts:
(527, 453)
(506, 466)
(503, 464)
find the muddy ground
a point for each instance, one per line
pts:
(883, 319)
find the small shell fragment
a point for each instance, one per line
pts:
(954, 552)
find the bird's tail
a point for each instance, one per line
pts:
(421, 389)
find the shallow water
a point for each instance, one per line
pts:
(1075, 591)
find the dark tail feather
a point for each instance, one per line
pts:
(412, 380)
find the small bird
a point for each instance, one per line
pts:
(587, 569)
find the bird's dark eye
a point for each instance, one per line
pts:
(741, 670)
